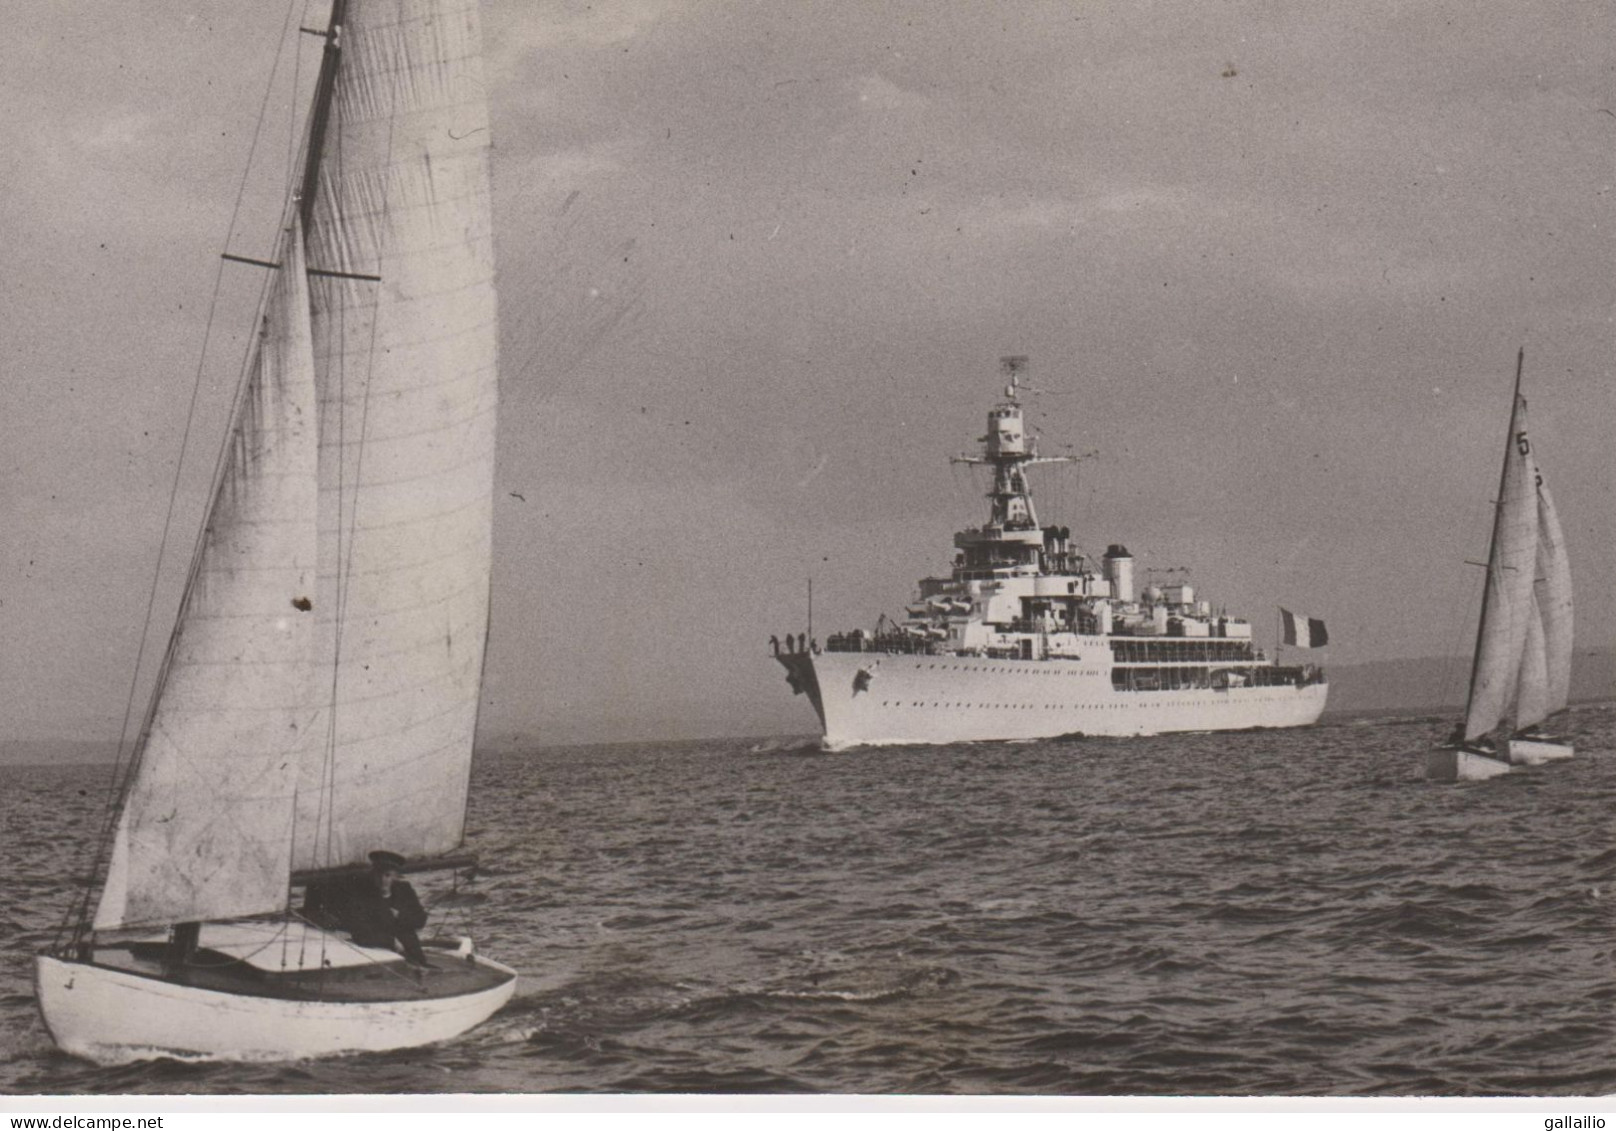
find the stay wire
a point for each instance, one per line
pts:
(78, 913)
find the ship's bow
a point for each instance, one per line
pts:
(803, 679)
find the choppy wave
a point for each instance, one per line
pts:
(1273, 912)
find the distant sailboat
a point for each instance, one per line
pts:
(1523, 641)
(319, 694)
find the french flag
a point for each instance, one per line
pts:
(1303, 632)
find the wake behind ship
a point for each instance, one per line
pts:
(1026, 639)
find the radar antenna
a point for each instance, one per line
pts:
(1013, 366)
(1016, 367)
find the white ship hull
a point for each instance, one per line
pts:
(877, 699)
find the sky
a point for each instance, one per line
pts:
(758, 263)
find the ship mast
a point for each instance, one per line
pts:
(1008, 449)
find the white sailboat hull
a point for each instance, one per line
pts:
(1536, 751)
(116, 1016)
(1452, 763)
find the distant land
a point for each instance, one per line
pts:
(49, 752)
(1434, 684)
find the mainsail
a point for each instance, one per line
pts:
(1507, 607)
(1532, 694)
(1554, 600)
(320, 694)
(204, 831)
(407, 381)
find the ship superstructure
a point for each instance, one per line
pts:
(1027, 637)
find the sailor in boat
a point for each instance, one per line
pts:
(379, 909)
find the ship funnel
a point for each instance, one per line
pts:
(1118, 565)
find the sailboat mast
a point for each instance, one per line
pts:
(324, 88)
(1492, 545)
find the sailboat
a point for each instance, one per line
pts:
(318, 696)
(1523, 640)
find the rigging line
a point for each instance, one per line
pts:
(345, 566)
(304, 210)
(324, 811)
(79, 910)
(385, 966)
(199, 546)
(1453, 653)
(243, 958)
(305, 200)
(477, 710)
(251, 365)
(293, 145)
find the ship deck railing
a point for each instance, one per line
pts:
(1192, 677)
(1205, 670)
(1181, 649)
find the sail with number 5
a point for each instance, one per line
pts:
(1522, 670)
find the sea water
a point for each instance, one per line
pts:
(1270, 913)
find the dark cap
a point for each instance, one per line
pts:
(387, 861)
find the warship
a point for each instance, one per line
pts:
(1029, 638)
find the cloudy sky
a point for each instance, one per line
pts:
(1272, 262)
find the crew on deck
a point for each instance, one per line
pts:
(378, 909)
